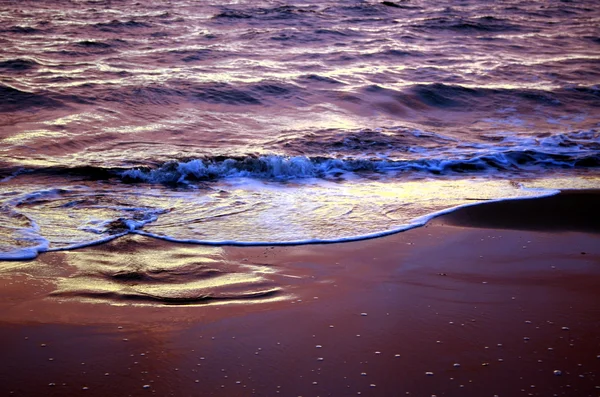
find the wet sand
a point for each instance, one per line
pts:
(490, 300)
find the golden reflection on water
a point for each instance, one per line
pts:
(133, 270)
(571, 182)
(31, 135)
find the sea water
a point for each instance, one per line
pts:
(279, 122)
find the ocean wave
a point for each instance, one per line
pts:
(93, 44)
(117, 26)
(457, 97)
(484, 24)
(420, 97)
(277, 13)
(18, 65)
(319, 79)
(194, 55)
(331, 154)
(12, 99)
(176, 91)
(21, 30)
(279, 167)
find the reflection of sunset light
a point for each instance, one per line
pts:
(125, 129)
(27, 136)
(79, 117)
(176, 275)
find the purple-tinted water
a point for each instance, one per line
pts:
(285, 121)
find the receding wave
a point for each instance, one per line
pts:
(239, 211)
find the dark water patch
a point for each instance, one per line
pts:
(12, 100)
(159, 35)
(445, 96)
(85, 171)
(512, 161)
(543, 98)
(300, 38)
(194, 55)
(583, 92)
(93, 44)
(587, 162)
(344, 96)
(180, 91)
(592, 39)
(73, 99)
(389, 54)
(278, 13)
(21, 30)
(397, 53)
(362, 9)
(335, 32)
(222, 93)
(456, 24)
(119, 26)
(274, 89)
(232, 14)
(455, 97)
(400, 4)
(72, 54)
(326, 142)
(374, 88)
(320, 79)
(150, 95)
(17, 65)
(65, 79)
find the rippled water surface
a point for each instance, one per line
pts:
(285, 121)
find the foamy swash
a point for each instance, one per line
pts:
(233, 210)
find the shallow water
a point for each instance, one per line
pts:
(281, 122)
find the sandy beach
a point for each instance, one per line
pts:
(499, 299)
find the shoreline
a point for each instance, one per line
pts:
(31, 253)
(472, 287)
